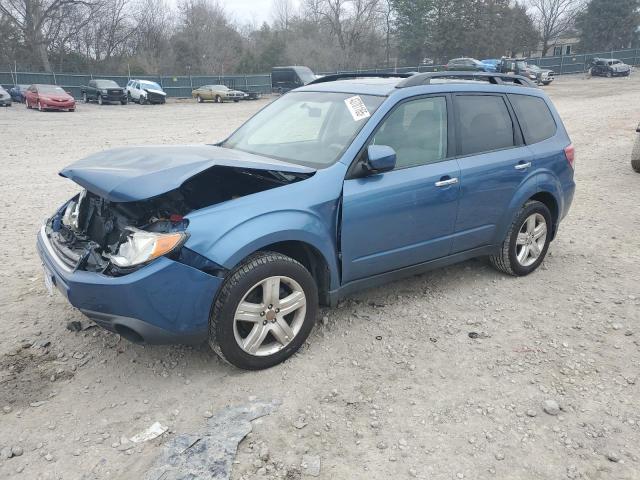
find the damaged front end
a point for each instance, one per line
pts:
(95, 234)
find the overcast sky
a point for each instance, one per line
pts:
(249, 11)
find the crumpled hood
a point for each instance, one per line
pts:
(137, 173)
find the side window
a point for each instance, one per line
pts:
(535, 118)
(484, 124)
(417, 131)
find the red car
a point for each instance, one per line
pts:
(49, 97)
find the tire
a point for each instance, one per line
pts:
(40, 109)
(199, 99)
(26, 103)
(124, 102)
(72, 109)
(218, 99)
(228, 336)
(85, 99)
(236, 101)
(129, 99)
(609, 74)
(507, 260)
(635, 155)
(100, 102)
(142, 100)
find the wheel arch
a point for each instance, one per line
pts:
(552, 204)
(311, 258)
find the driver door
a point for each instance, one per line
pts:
(405, 216)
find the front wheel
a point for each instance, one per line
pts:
(198, 99)
(84, 98)
(100, 100)
(264, 312)
(527, 241)
(218, 99)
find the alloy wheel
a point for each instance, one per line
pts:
(531, 240)
(269, 316)
(84, 98)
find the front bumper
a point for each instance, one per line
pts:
(58, 105)
(5, 101)
(163, 302)
(113, 98)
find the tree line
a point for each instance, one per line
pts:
(202, 37)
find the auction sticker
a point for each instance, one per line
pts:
(357, 108)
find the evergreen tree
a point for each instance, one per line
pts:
(609, 25)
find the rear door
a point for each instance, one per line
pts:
(406, 216)
(493, 163)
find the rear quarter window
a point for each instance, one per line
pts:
(535, 118)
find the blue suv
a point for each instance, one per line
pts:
(340, 185)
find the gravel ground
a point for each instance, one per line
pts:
(390, 384)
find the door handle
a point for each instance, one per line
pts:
(522, 166)
(447, 182)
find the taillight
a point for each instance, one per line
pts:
(570, 153)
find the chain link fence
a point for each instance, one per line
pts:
(179, 86)
(561, 65)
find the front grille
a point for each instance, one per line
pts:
(64, 254)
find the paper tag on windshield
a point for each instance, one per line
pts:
(357, 108)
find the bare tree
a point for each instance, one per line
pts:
(553, 18)
(40, 20)
(282, 11)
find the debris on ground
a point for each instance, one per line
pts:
(154, 431)
(209, 454)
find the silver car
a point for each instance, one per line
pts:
(5, 98)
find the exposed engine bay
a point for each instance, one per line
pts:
(94, 234)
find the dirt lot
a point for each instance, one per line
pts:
(390, 385)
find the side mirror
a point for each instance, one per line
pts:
(380, 158)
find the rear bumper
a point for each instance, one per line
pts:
(163, 302)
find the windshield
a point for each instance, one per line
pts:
(306, 128)
(106, 84)
(305, 74)
(50, 89)
(614, 62)
(151, 85)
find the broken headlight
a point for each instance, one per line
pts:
(141, 246)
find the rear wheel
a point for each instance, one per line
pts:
(264, 312)
(198, 99)
(527, 241)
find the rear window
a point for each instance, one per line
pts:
(484, 124)
(535, 119)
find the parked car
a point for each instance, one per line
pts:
(103, 91)
(49, 97)
(635, 154)
(5, 98)
(466, 64)
(491, 64)
(217, 93)
(248, 95)
(609, 67)
(284, 79)
(540, 75)
(519, 66)
(18, 92)
(145, 91)
(237, 243)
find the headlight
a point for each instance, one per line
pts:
(141, 247)
(104, 92)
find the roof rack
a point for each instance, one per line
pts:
(344, 76)
(494, 78)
